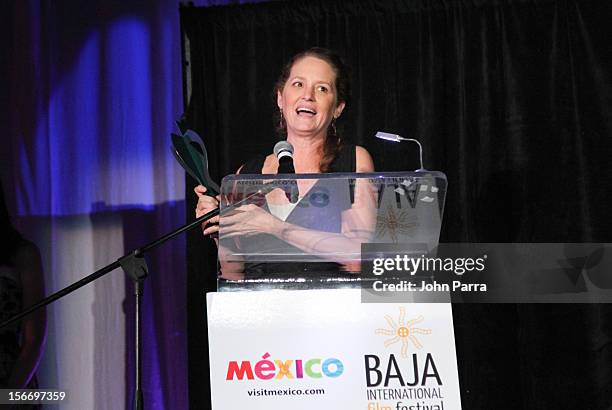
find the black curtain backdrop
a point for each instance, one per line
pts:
(511, 99)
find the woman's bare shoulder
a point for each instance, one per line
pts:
(270, 165)
(364, 162)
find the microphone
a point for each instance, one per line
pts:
(284, 152)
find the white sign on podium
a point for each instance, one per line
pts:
(325, 349)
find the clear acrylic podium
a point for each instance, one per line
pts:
(292, 327)
(315, 224)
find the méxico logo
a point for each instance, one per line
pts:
(267, 369)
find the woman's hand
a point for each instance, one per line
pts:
(206, 204)
(249, 220)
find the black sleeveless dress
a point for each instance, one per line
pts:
(327, 217)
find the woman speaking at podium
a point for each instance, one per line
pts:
(311, 94)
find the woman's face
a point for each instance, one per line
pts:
(308, 99)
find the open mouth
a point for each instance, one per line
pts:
(306, 112)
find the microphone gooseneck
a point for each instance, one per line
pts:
(397, 138)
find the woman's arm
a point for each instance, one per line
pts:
(233, 270)
(33, 327)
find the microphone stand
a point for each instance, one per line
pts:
(135, 266)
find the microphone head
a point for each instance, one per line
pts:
(283, 148)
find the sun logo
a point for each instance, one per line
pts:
(394, 224)
(403, 331)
